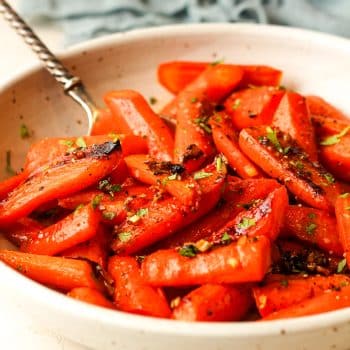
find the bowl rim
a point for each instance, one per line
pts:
(60, 303)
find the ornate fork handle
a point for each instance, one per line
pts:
(56, 68)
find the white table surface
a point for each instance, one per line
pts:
(17, 330)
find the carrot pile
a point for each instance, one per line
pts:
(230, 204)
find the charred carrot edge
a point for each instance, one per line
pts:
(91, 296)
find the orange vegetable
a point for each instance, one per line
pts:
(281, 158)
(105, 123)
(131, 293)
(135, 116)
(213, 302)
(61, 273)
(244, 261)
(312, 226)
(292, 117)
(319, 107)
(90, 296)
(342, 208)
(11, 183)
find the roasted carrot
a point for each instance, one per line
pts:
(80, 170)
(282, 158)
(326, 126)
(292, 117)
(213, 302)
(76, 228)
(325, 302)
(131, 293)
(288, 291)
(135, 116)
(176, 75)
(91, 296)
(61, 273)
(105, 123)
(165, 174)
(319, 107)
(253, 106)
(342, 208)
(312, 226)
(11, 183)
(226, 141)
(244, 261)
(162, 218)
(264, 218)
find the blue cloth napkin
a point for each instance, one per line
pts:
(84, 19)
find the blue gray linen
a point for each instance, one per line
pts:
(84, 19)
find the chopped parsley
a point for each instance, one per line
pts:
(215, 63)
(272, 137)
(311, 215)
(246, 223)
(153, 100)
(106, 186)
(226, 238)
(68, 143)
(138, 215)
(96, 201)
(298, 164)
(334, 139)
(24, 131)
(249, 204)
(202, 122)
(108, 215)
(201, 175)
(170, 178)
(8, 167)
(329, 177)
(310, 228)
(236, 104)
(124, 236)
(188, 250)
(341, 265)
(80, 142)
(220, 165)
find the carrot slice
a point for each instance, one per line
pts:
(131, 293)
(323, 303)
(280, 157)
(135, 116)
(91, 296)
(162, 218)
(11, 183)
(289, 291)
(253, 106)
(226, 141)
(105, 123)
(79, 170)
(342, 208)
(318, 106)
(213, 302)
(312, 226)
(61, 273)
(264, 218)
(244, 261)
(165, 174)
(292, 117)
(76, 228)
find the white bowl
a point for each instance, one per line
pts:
(313, 64)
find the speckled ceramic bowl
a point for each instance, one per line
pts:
(312, 62)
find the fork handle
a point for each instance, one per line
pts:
(52, 64)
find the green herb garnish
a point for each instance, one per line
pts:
(124, 236)
(311, 215)
(226, 238)
(329, 177)
(215, 63)
(107, 187)
(24, 131)
(80, 142)
(246, 223)
(236, 104)
(189, 251)
(201, 175)
(310, 228)
(96, 201)
(284, 283)
(341, 265)
(138, 215)
(334, 139)
(203, 124)
(272, 137)
(194, 99)
(108, 215)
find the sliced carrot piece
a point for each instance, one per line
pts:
(312, 226)
(11, 183)
(244, 261)
(253, 106)
(280, 157)
(91, 296)
(213, 302)
(318, 106)
(260, 76)
(135, 116)
(342, 212)
(325, 126)
(292, 117)
(105, 123)
(61, 273)
(131, 293)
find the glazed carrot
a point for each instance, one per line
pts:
(264, 218)
(290, 290)
(325, 302)
(335, 155)
(280, 157)
(80, 198)
(226, 141)
(312, 226)
(135, 116)
(105, 123)
(215, 83)
(91, 296)
(193, 143)
(292, 117)
(326, 126)
(318, 106)
(238, 196)
(176, 75)
(61, 273)
(76, 228)
(342, 206)
(244, 261)
(131, 293)
(165, 174)
(94, 250)
(162, 218)
(213, 302)
(11, 183)
(60, 180)
(253, 106)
